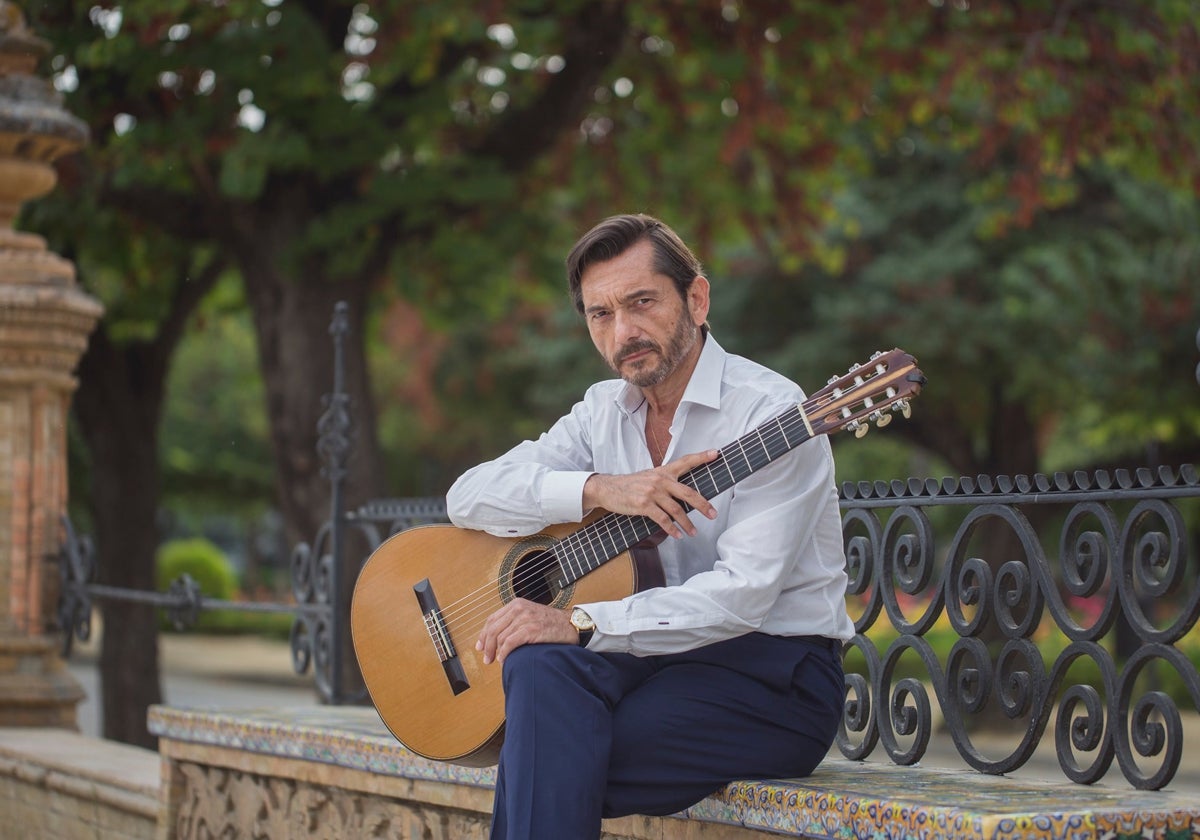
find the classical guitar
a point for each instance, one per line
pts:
(424, 594)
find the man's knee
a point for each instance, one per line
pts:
(541, 661)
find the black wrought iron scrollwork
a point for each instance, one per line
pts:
(319, 627)
(1135, 568)
(311, 587)
(77, 564)
(908, 564)
(334, 428)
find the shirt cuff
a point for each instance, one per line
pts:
(562, 496)
(604, 639)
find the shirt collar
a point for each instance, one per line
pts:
(704, 388)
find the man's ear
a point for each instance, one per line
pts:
(698, 299)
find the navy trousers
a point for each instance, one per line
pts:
(591, 735)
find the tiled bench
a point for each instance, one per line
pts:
(336, 771)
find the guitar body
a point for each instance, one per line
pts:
(443, 702)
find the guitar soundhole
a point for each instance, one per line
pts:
(530, 570)
(536, 577)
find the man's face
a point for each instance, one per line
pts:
(637, 319)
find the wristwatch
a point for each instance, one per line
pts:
(582, 622)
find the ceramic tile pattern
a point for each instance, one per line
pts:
(842, 799)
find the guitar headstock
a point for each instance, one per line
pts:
(868, 393)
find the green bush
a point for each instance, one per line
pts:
(199, 558)
(206, 564)
(209, 567)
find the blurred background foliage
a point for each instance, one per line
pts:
(1007, 191)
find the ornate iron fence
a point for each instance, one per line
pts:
(951, 569)
(1097, 615)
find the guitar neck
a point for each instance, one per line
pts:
(613, 534)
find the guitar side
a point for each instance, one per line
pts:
(454, 713)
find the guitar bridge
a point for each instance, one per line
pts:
(435, 625)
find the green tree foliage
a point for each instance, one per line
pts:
(1006, 191)
(1085, 318)
(216, 454)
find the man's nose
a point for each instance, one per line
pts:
(627, 326)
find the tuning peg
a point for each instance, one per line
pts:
(904, 407)
(858, 427)
(882, 420)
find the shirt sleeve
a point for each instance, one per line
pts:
(768, 541)
(533, 485)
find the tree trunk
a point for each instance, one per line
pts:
(118, 405)
(292, 318)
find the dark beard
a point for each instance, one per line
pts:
(678, 346)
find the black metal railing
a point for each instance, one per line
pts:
(1067, 634)
(951, 583)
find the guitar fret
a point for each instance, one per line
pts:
(708, 490)
(570, 547)
(595, 549)
(749, 467)
(611, 544)
(761, 442)
(783, 431)
(584, 551)
(728, 470)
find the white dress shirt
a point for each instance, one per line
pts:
(772, 561)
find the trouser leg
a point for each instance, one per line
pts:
(752, 707)
(591, 735)
(558, 706)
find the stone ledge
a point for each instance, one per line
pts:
(350, 747)
(57, 783)
(116, 775)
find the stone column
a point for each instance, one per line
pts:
(45, 321)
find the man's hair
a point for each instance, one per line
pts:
(617, 234)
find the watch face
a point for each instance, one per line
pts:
(581, 620)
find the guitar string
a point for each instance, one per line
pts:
(478, 605)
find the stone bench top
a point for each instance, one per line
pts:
(842, 799)
(60, 760)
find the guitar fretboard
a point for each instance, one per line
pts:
(613, 534)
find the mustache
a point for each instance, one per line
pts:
(634, 347)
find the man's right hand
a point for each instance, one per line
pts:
(655, 493)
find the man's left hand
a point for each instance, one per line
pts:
(522, 622)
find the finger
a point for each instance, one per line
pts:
(683, 492)
(691, 496)
(673, 517)
(680, 523)
(684, 463)
(493, 628)
(522, 631)
(509, 642)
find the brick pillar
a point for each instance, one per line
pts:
(44, 324)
